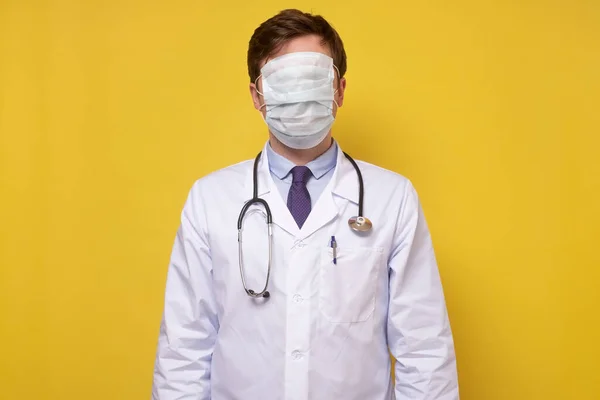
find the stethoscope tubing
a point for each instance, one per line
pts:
(269, 217)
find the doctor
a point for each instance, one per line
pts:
(310, 306)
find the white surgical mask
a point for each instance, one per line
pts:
(299, 96)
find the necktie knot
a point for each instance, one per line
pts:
(300, 174)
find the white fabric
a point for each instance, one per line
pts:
(298, 94)
(327, 330)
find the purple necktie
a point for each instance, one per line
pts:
(298, 200)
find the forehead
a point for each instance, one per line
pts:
(311, 43)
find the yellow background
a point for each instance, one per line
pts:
(110, 109)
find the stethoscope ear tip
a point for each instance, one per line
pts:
(265, 295)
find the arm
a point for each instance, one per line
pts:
(419, 334)
(189, 324)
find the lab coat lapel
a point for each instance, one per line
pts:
(269, 192)
(340, 189)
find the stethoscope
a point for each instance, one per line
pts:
(358, 223)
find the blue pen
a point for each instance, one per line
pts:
(334, 248)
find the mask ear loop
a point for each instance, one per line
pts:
(339, 80)
(258, 91)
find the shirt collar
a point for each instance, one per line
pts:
(281, 166)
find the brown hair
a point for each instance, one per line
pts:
(287, 25)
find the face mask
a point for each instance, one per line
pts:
(298, 96)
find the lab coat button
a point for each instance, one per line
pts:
(298, 299)
(296, 355)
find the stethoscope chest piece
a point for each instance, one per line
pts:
(360, 224)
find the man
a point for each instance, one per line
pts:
(316, 315)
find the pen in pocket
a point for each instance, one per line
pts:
(334, 248)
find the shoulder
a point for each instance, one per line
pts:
(383, 179)
(231, 177)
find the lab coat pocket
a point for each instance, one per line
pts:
(348, 287)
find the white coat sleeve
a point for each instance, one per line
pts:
(419, 334)
(189, 324)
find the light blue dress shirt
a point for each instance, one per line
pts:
(322, 170)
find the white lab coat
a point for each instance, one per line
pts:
(327, 330)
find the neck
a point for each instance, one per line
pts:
(297, 156)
